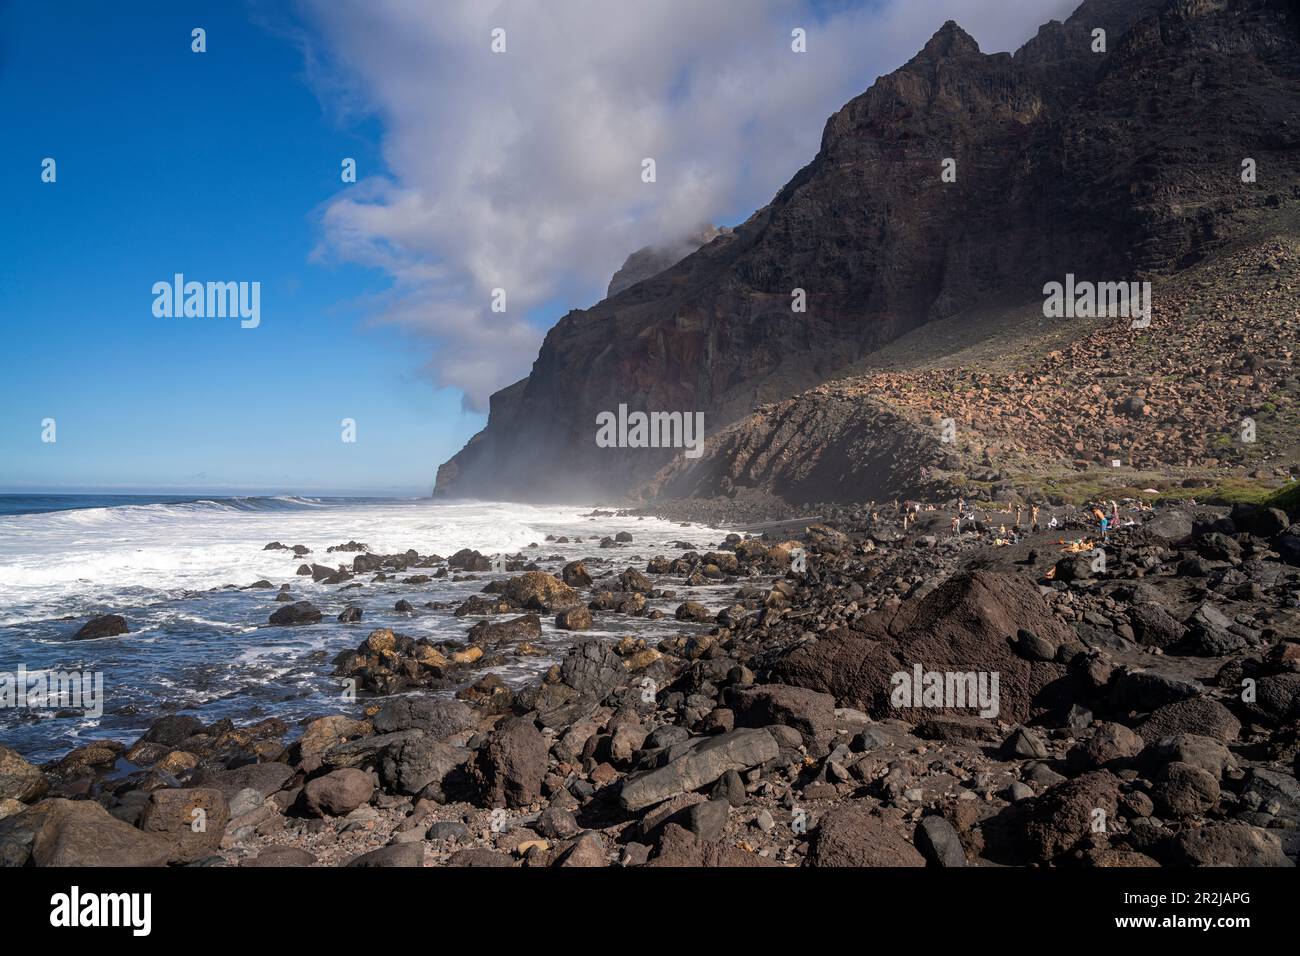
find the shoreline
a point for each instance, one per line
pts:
(763, 704)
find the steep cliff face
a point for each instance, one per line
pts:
(1109, 165)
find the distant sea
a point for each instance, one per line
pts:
(39, 504)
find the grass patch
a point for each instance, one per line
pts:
(1288, 499)
(1089, 486)
(1229, 491)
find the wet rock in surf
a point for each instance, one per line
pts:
(467, 559)
(540, 591)
(106, 625)
(298, 613)
(575, 575)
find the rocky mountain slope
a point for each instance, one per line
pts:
(1045, 412)
(1112, 166)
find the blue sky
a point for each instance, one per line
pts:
(225, 166)
(214, 165)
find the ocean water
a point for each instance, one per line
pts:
(176, 569)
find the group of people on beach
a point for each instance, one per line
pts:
(1101, 517)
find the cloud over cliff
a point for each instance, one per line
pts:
(522, 170)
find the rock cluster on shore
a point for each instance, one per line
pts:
(1146, 714)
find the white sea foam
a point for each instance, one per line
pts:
(48, 560)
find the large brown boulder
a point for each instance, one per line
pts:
(1070, 811)
(20, 780)
(1228, 844)
(967, 624)
(855, 835)
(678, 847)
(79, 833)
(511, 765)
(338, 792)
(192, 820)
(1199, 715)
(810, 712)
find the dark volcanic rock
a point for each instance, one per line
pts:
(939, 842)
(966, 624)
(1064, 815)
(853, 835)
(419, 764)
(512, 764)
(593, 669)
(1147, 690)
(1228, 844)
(705, 761)
(438, 717)
(399, 855)
(1196, 716)
(808, 711)
(106, 625)
(265, 778)
(300, 612)
(1153, 625)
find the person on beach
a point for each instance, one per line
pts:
(1102, 521)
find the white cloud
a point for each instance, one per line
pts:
(522, 170)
